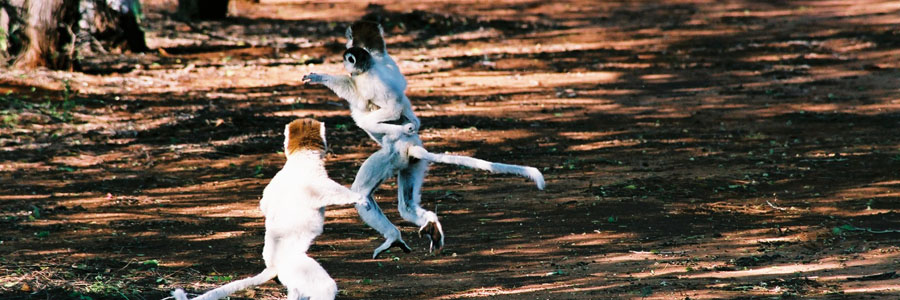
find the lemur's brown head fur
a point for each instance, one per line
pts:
(367, 35)
(304, 134)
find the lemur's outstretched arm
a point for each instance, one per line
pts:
(334, 193)
(342, 85)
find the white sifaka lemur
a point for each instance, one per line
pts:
(294, 207)
(375, 91)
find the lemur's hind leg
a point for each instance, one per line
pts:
(373, 171)
(409, 198)
(306, 279)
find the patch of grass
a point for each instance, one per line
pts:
(258, 170)
(150, 264)
(105, 287)
(10, 120)
(60, 112)
(68, 103)
(218, 278)
(571, 164)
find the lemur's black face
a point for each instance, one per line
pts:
(357, 60)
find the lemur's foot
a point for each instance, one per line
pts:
(389, 244)
(434, 231)
(313, 78)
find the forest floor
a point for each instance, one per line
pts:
(692, 149)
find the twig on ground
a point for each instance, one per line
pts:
(774, 206)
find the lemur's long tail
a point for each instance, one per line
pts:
(231, 287)
(524, 171)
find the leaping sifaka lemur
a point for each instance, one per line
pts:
(375, 91)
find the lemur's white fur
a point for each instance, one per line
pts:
(383, 80)
(294, 207)
(375, 97)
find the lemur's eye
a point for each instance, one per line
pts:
(351, 59)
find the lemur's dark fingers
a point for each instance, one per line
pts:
(402, 245)
(390, 244)
(312, 78)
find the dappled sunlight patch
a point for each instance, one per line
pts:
(489, 135)
(86, 160)
(21, 197)
(594, 285)
(868, 289)
(657, 78)
(597, 141)
(894, 183)
(220, 210)
(105, 217)
(831, 265)
(214, 236)
(473, 83)
(298, 113)
(874, 192)
(490, 49)
(500, 290)
(595, 238)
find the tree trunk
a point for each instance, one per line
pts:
(56, 33)
(50, 33)
(110, 25)
(202, 9)
(4, 34)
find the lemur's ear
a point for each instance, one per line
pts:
(322, 134)
(366, 34)
(287, 138)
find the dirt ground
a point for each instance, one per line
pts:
(692, 149)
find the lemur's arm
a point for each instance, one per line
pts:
(372, 121)
(342, 85)
(409, 114)
(333, 193)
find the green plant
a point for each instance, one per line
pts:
(10, 120)
(218, 278)
(68, 103)
(258, 170)
(150, 264)
(109, 288)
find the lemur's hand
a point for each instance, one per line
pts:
(409, 128)
(363, 201)
(313, 78)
